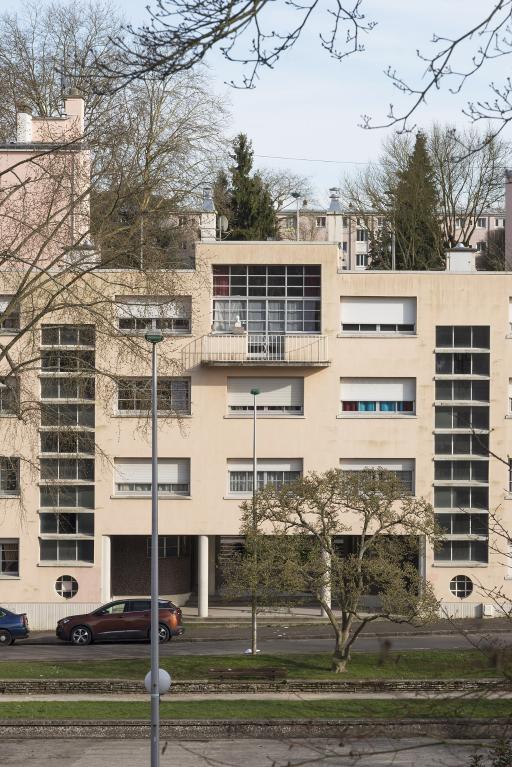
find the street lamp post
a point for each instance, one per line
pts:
(296, 196)
(154, 338)
(254, 601)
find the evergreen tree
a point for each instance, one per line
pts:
(414, 216)
(252, 214)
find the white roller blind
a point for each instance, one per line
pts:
(509, 310)
(378, 389)
(4, 303)
(373, 311)
(265, 464)
(155, 306)
(138, 470)
(273, 391)
(392, 464)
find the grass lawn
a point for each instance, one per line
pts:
(419, 664)
(261, 709)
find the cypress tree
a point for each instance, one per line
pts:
(252, 214)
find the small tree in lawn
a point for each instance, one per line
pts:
(299, 527)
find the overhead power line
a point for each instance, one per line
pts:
(310, 159)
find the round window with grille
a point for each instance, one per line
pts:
(461, 586)
(66, 586)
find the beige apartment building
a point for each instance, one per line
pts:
(410, 372)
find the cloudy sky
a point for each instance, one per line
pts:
(310, 106)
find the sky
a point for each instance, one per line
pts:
(309, 106)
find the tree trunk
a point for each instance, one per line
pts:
(341, 651)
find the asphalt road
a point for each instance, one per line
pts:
(50, 648)
(417, 752)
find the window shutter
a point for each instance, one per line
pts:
(265, 464)
(363, 310)
(138, 470)
(378, 389)
(155, 306)
(273, 391)
(392, 464)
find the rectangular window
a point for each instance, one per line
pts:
(67, 468)
(462, 391)
(462, 444)
(401, 468)
(463, 336)
(469, 471)
(58, 361)
(462, 418)
(378, 396)
(9, 314)
(276, 472)
(499, 222)
(481, 223)
(278, 396)
(66, 524)
(170, 546)
(462, 364)
(362, 260)
(362, 235)
(138, 314)
(66, 551)
(133, 476)
(463, 524)
(68, 388)
(67, 496)
(461, 497)
(481, 246)
(67, 415)
(9, 397)
(462, 551)
(320, 222)
(9, 476)
(173, 395)
(68, 335)
(67, 442)
(364, 314)
(9, 558)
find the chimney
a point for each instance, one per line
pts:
(508, 219)
(208, 225)
(334, 205)
(461, 259)
(74, 108)
(24, 125)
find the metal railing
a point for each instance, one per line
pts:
(293, 349)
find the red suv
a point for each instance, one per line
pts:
(123, 619)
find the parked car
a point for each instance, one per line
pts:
(12, 627)
(121, 620)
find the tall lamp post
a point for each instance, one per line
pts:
(254, 601)
(154, 338)
(296, 196)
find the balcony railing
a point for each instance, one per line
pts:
(255, 349)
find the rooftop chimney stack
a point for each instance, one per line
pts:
(24, 125)
(208, 225)
(335, 205)
(74, 108)
(461, 259)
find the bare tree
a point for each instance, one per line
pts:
(282, 183)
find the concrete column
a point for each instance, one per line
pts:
(327, 588)
(202, 577)
(106, 566)
(211, 564)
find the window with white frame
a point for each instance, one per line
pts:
(462, 417)
(9, 314)
(362, 235)
(66, 550)
(362, 260)
(461, 497)
(9, 476)
(170, 314)
(462, 444)
(81, 524)
(481, 222)
(481, 246)
(320, 222)
(67, 496)
(460, 223)
(378, 314)
(499, 222)
(9, 397)
(65, 361)
(133, 476)
(134, 395)
(270, 471)
(401, 468)
(9, 557)
(462, 551)
(378, 396)
(68, 335)
(67, 442)
(462, 471)
(67, 415)
(462, 391)
(67, 468)
(67, 388)
(278, 396)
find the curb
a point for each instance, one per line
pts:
(189, 729)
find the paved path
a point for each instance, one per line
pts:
(54, 650)
(418, 752)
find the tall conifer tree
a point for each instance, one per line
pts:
(252, 214)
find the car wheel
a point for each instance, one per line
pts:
(81, 635)
(163, 633)
(6, 638)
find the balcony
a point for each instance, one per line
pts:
(256, 349)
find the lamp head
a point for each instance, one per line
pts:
(254, 392)
(154, 337)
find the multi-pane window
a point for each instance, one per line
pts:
(320, 222)
(9, 314)
(378, 395)
(401, 468)
(9, 476)
(171, 315)
(270, 471)
(277, 396)
(67, 496)
(471, 471)
(66, 550)
(9, 558)
(463, 336)
(67, 388)
(462, 551)
(499, 222)
(481, 223)
(462, 444)
(67, 415)
(67, 335)
(170, 546)
(462, 417)
(267, 299)
(133, 476)
(8, 397)
(173, 395)
(67, 468)
(67, 524)
(362, 235)
(462, 363)
(367, 314)
(463, 524)
(475, 391)
(59, 361)
(362, 260)
(67, 442)
(461, 497)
